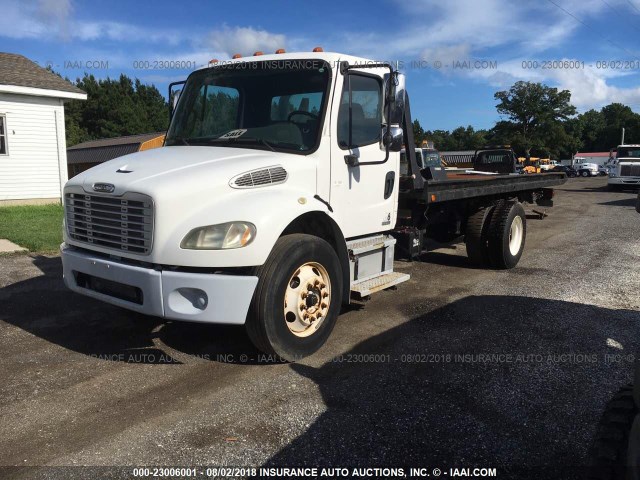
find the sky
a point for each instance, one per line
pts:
(456, 53)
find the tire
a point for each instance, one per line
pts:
(608, 452)
(295, 260)
(585, 173)
(476, 236)
(507, 235)
(613, 187)
(638, 203)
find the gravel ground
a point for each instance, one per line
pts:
(459, 367)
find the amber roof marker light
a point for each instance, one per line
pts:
(281, 50)
(318, 49)
(236, 55)
(257, 54)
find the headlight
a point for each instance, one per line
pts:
(220, 237)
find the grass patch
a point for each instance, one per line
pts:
(35, 227)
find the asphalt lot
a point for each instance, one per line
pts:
(459, 367)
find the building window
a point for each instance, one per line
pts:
(3, 135)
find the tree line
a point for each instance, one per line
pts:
(114, 108)
(541, 121)
(536, 119)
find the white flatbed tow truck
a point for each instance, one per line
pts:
(277, 198)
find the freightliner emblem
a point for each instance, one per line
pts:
(104, 187)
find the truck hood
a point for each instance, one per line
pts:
(167, 167)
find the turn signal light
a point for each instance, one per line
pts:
(236, 55)
(257, 54)
(281, 50)
(318, 49)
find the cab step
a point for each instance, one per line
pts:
(382, 282)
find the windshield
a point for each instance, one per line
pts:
(628, 152)
(430, 158)
(276, 105)
(495, 156)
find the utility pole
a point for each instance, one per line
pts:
(622, 142)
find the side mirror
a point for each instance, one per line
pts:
(393, 138)
(174, 96)
(396, 98)
(174, 100)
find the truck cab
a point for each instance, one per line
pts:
(269, 160)
(624, 171)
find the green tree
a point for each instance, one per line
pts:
(535, 114)
(418, 132)
(616, 117)
(114, 108)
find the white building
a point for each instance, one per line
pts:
(33, 154)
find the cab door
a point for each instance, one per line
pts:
(364, 186)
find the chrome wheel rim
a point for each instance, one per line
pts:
(307, 299)
(516, 233)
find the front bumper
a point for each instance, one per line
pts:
(196, 297)
(624, 180)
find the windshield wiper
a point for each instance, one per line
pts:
(267, 144)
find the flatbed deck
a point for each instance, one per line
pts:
(463, 186)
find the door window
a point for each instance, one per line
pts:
(365, 114)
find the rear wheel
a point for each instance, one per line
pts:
(507, 234)
(476, 236)
(297, 299)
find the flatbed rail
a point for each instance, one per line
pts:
(458, 188)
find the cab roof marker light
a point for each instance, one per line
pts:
(281, 50)
(258, 53)
(318, 49)
(236, 55)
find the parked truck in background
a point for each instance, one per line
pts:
(624, 171)
(277, 198)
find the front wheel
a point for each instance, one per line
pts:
(585, 173)
(297, 299)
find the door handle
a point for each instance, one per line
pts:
(389, 181)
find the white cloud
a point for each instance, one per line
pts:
(589, 89)
(47, 19)
(56, 14)
(447, 53)
(245, 40)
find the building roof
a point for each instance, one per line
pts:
(592, 154)
(18, 74)
(98, 151)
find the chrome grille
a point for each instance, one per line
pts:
(120, 223)
(257, 178)
(629, 170)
